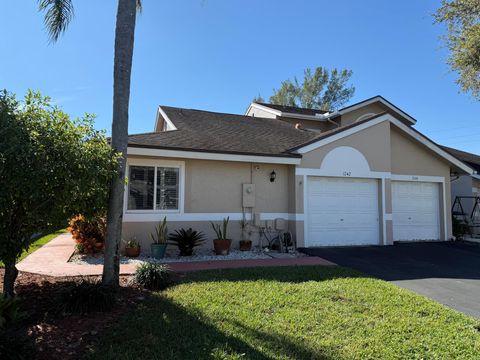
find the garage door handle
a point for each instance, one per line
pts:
(409, 218)
(341, 219)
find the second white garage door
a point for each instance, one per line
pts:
(342, 211)
(415, 211)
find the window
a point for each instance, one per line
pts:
(167, 188)
(149, 185)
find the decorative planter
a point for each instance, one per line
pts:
(245, 245)
(222, 246)
(158, 250)
(132, 251)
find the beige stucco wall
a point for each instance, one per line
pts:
(388, 150)
(216, 186)
(142, 230)
(411, 158)
(351, 117)
(373, 143)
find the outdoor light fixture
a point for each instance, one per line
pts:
(273, 175)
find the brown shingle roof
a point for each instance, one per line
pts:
(207, 131)
(470, 159)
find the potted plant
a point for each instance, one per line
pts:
(132, 248)
(245, 243)
(159, 238)
(186, 240)
(221, 244)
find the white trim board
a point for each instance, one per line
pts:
(343, 111)
(157, 216)
(212, 156)
(320, 172)
(165, 118)
(319, 117)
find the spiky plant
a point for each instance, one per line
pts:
(161, 233)
(186, 240)
(221, 231)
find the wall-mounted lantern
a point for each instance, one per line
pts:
(273, 176)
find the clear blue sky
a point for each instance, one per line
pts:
(217, 54)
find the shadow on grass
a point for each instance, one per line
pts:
(161, 329)
(291, 274)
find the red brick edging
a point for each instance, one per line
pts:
(52, 259)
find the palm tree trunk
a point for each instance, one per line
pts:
(9, 277)
(124, 39)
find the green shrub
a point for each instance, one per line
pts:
(153, 276)
(85, 295)
(15, 345)
(186, 240)
(9, 312)
(89, 234)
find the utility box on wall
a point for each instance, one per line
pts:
(248, 195)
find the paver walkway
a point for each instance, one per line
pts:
(52, 259)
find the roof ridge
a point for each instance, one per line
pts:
(245, 117)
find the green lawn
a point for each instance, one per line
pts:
(290, 313)
(37, 244)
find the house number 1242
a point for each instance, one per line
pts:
(347, 173)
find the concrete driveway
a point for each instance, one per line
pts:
(448, 272)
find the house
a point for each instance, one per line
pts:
(362, 175)
(466, 186)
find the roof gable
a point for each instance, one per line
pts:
(339, 133)
(320, 115)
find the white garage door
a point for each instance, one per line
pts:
(342, 211)
(415, 211)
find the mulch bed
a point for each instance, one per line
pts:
(61, 336)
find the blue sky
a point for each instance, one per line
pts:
(218, 54)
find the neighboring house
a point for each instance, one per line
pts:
(361, 175)
(467, 185)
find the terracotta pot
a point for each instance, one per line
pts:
(222, 246)
(132, 251)
(245, 245)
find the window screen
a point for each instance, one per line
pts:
(167, 188)
(140, 187)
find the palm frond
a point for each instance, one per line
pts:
(58, 14)
(139, 6)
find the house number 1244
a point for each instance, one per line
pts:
(347, 173)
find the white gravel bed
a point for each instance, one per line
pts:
(234, 255)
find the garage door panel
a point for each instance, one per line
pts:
(342, 211)
(415, 211)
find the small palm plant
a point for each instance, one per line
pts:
(186, 240)
(160, 237)
(221, 244)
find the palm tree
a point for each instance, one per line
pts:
(58, 14)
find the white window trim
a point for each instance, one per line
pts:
(157, 163)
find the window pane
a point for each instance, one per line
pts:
(167, 188)
(140, 188)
